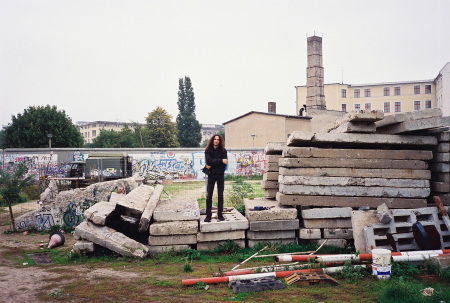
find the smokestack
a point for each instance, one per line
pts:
(272, 107)
(315, 96)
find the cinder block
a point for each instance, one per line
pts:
(202, 246)
(177, 210)
(221, 236)
(309, 233)
(234, 220)
(274, 225)
(83, 246)
(338, 233)
(272, 235)
(324, 213)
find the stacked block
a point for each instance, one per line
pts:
(217, 232)
(440, 169)
(270, 222)
(270, 177)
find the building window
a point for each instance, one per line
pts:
(387, 107)
(356, 93)
(427, 89)
(387, 91)
(343, 93)
(397, 91)
(344, 107)
(357, 106)
(428, 104)
(367, 106)
(416, 105)
(94, 133)
(398, 107)
(367, 92)
(416, 89)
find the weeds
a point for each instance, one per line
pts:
(404, 269)
(187, 267)
(239, 191)
(352, 273)
(200, 285)
(57, 294)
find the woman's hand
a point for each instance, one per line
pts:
(225, 161)
(208, 166)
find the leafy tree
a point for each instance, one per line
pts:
(162, 132)
(189, 129)
(126, 137)
(222, 133)
(11, 185)
(30, 129)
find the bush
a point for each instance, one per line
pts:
(239, 191)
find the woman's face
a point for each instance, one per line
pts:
(216, 141)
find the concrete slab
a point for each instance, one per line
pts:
(355, 127)
(414, 125)
(234, 220)
(116, 197)
(361, 219)
(440, 167)
(327, 213)
(353, 163)
(273, 158)
(203, 246)
(111, 239)
(83, 247)
(271, 167)
(351, 181)
(274, 148)
(275, 211)
(270, 176)
(402, 117)
(98, 212)
(443, 136)
(274, 225)
(442, 147)
(269, 184)
(441, 177)
(310, 233)
(441, 157)
(360, 191)
(327, 223)
(345, 153)
(338, 233)
(183, 209)
(172, 240)
(341, 243)
(272, 235)
(174, 228)
(253, 243)
(134, 203)
(372, 202)
(270, 193)
(146, 217)
(221, 236)
(166, 248)
(357, 173)
(300, 139)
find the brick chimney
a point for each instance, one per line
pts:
(272, 107)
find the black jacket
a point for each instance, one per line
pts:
(214, 159)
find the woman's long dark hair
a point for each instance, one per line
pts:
(210, 145)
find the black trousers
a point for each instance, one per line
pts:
(212, 180)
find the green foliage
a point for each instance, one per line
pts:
(190, 254)
(352, 273)
(187, 267)
(222, 133)
(58, 294)
(241, 208)
(239, 191)
(231, 177)
(160, 129)
(30, 129)
(189, 129)
(229, 247)
(404, 269)
(200, 285)
(407, 291)
(125, 138)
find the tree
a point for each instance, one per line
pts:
(30, 129)
(162, 132)
(189, 129)
(126, 137)
(222, 133)
(11, 185)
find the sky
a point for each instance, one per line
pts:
(118, 60)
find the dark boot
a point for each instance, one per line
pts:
(208, 218)
(220, 217)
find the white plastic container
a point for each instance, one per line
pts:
(381, 256)
(382, 272)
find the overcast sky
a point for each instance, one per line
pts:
(118, 60)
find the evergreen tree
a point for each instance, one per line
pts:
(189, 129)
(160, 129)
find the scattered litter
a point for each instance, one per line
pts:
(25, 233)
(258, 284)
(25, 263)
(428, 292)
(310, 279)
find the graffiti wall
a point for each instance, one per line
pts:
(154, 164)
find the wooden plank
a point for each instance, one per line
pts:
(359, 191)
(352, 172)
(350, 181)
(353, 163)
(314, 152)
(344, 201)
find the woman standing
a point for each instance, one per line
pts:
(216, 160)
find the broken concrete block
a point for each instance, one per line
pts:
(414, 125)
(270, 235)
(338, 233)
(98, 213)
(361, 219)
(384, 214)
(116, 197)
(355, 127)
(309, 233)
(172, 240)
(177, 210)
(83, 247)
(274, 225)
(327, 213)
(134, 203)
(174, 228)
(273, 211)
(234, 220)
(146, 217)
(50, 192)
(274, 148)
(221, 236)
(402, 117)
(111, 239)
(202, 246)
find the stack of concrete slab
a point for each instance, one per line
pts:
(270, 222)
(116, 224)
(440, 169)
(401, 229)
(360, 121)
(270, 177)
(342, 169)
(217, 232)
(333, 224)
(175, 225)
